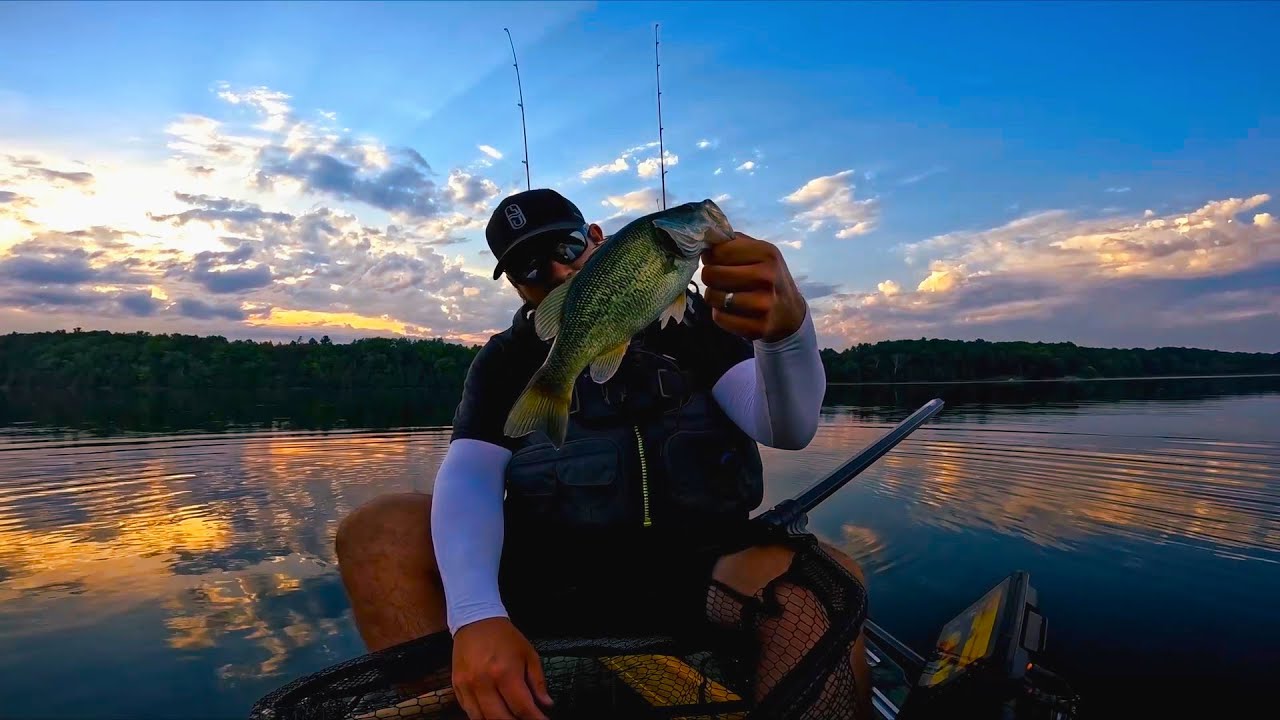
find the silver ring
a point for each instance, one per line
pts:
(728, 300)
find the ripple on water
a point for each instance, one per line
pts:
(218, 547)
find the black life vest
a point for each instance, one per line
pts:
(645, 451)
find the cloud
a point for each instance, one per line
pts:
(75, 258)
(138, 304)
(941, 278)
(705, 144)
(289, 155)
(617, 166)
(1206, 277)
(8, 197)
(622, 163)
(650, 167)
(1206, 241)
(718, 171)
(1117, 190)
(227, 212)
(403, 187)
(225, 273)
(813, 289)
(35, 170)
(271, 104)
(66, 270)
(470, 190)
(631, 205)
(324, 266)
(913, 179)
(644, 200)
(747, 167)
(201, 310)
(1263, 220)
(44, 299)
(829, 201)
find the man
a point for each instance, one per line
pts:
(639, 517)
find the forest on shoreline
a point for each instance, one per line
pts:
(100, 359)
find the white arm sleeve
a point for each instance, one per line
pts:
(776, 397)
(467, 527)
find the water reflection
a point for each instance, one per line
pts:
(205, 560)
(220, 547)
(109, 413)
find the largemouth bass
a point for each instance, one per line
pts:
(637, 276)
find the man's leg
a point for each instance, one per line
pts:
(748, 572)
(388, 568)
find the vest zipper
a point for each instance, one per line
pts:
(644, 476)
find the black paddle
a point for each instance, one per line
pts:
(792, 515)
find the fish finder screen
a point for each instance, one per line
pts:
(968, 638)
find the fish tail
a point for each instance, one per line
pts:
(542, 406)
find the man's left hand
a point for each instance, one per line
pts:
(765, 303)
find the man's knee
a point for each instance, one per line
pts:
(400, 520)
(845, 561)
(751, 569)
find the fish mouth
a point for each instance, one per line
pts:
(717, 216)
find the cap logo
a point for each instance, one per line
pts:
(515, 217)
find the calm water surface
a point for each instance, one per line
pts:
(172, 556)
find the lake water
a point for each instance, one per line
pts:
(172, 556)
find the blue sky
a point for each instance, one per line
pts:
(953, 170)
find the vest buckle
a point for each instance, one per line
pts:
(671, 384)
(614, 393)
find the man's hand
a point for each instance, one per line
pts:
(497, 673)
(766, 303)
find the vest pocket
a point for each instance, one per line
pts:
(589, 484)
(531, 482)
(577, 488)
(711, 473)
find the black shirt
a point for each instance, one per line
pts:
(504, 365)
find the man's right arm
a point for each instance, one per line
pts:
(467, 529)
(496, 672)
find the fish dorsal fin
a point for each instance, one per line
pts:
(690, 238)
(546, 319)
(674, 311)
(606, 364)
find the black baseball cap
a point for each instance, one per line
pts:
(526, 214)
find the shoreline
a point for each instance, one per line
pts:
(1019, 381)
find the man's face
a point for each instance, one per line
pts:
(551, 271)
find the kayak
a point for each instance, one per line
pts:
(985, 663)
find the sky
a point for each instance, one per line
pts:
(1104, 174)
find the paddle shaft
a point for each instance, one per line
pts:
(792, 513)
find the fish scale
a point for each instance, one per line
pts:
(638, 276)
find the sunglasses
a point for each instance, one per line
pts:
(531, 264)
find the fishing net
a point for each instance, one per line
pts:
(783, 653)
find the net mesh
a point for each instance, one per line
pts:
(785, 652)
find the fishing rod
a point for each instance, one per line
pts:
(792, 514)
(523, 132)
(662, 156)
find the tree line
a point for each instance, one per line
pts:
(100, 359)
(950, 360)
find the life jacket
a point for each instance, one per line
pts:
(647, 452)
